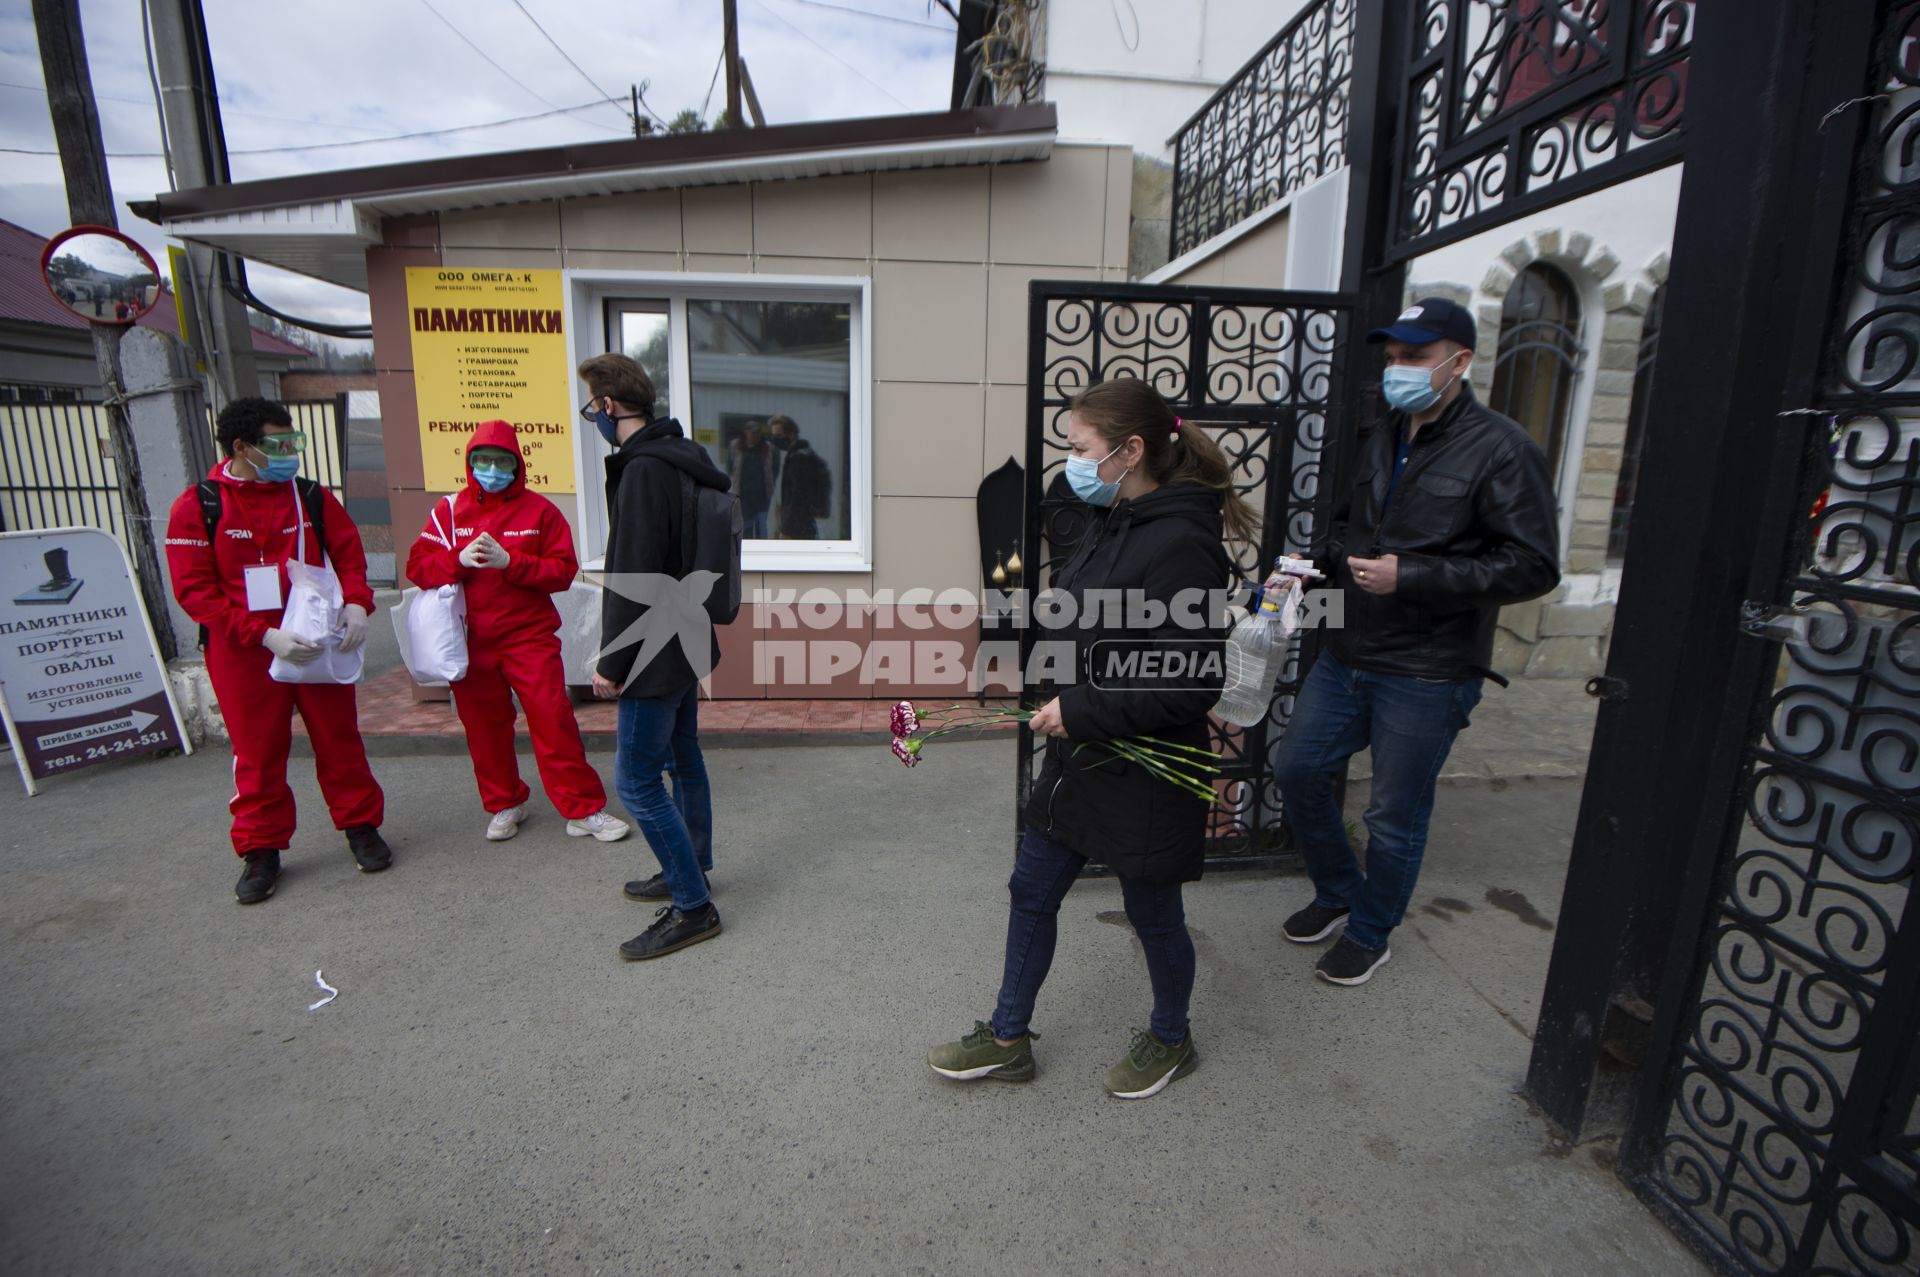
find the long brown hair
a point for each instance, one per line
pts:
(1126, 406)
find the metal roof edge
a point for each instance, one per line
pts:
(468, 172)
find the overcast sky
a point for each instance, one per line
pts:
(352, 70)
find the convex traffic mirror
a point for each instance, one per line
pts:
(100, 275)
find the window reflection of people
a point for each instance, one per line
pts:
(806, 484)
(750, 465)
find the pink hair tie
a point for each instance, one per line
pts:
(1177, 423)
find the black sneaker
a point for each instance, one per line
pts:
(656, 889)
(1348, 963)
(1313, 924)
(258, 880)
(673, 930)
(369, 849)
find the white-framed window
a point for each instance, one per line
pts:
(768, 373)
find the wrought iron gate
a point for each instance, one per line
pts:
(1778, 1125)
(1263, 373)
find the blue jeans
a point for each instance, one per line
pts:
(662, 735)
(1409, 723)
(1042, 874)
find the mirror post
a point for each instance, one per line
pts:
(83, 163)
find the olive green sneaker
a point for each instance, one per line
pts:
(1150, 1065)
(978, 1056)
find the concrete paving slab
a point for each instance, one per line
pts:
(495, 1091)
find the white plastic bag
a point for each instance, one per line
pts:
(437, 624)
(313, 613)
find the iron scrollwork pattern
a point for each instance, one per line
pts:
(1512, 105)
(1792, 1143)
(1258, 371)
(1278, 124)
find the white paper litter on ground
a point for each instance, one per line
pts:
(332, 992)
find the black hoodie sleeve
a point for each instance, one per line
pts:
(640, 542)
(1148, 707)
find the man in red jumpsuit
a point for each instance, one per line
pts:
(236, 586)
(510, 550)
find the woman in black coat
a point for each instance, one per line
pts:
(1145, 578)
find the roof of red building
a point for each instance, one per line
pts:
(24, 297)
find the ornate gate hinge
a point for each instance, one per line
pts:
(1767, 621)
(1605, 687)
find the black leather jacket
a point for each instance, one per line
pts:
(1475, 525)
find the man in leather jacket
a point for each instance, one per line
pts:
(1451, 515)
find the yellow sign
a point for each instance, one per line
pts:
(487, 346)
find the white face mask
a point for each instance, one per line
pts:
(1083, 476)
(1412, 389)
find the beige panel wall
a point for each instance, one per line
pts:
(950, 252)
(1257, 259)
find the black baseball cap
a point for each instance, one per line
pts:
(1429, 320)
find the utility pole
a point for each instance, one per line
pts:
(197, 147)
(730, 23)
(753, 99)
(83, 163)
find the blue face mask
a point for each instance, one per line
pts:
(1083, 476)
(492, 480)
(1411, 389)
(609, 428)
(278, 469)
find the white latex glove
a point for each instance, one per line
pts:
(493, 554)
(475, 554)
(353, 627)
(290, 648)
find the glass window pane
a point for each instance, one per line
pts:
(1538, 358)
(771, 399)
(642, 337)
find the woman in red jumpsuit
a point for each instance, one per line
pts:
(511, 549)
(236, 586)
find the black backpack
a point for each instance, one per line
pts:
(710, 534)
(213, 507)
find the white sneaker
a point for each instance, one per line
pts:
(505, 824)
(599, 825)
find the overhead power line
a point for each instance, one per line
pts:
(711, 81)
(488, 58)
(226, 110)
(881, 17)
(563, 53)
(359, 141)
(829, 52)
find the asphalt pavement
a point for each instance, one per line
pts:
(494, 1090)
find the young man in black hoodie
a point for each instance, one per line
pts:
(659, 726)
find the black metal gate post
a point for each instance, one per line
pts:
(1377, 280)
(1262, 372)
(1738, 300)
(1777, 1123)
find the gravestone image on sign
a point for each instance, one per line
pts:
(81, 680)
(59, 587)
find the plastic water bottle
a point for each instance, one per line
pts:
(1253, 647)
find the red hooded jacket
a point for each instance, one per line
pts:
(260, 524)
(514, 601)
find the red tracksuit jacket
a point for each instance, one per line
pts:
(260, 525)
(515, 601)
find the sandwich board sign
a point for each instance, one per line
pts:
(81, 681)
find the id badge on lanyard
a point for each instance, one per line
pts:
(263, 587)
(263, 579)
